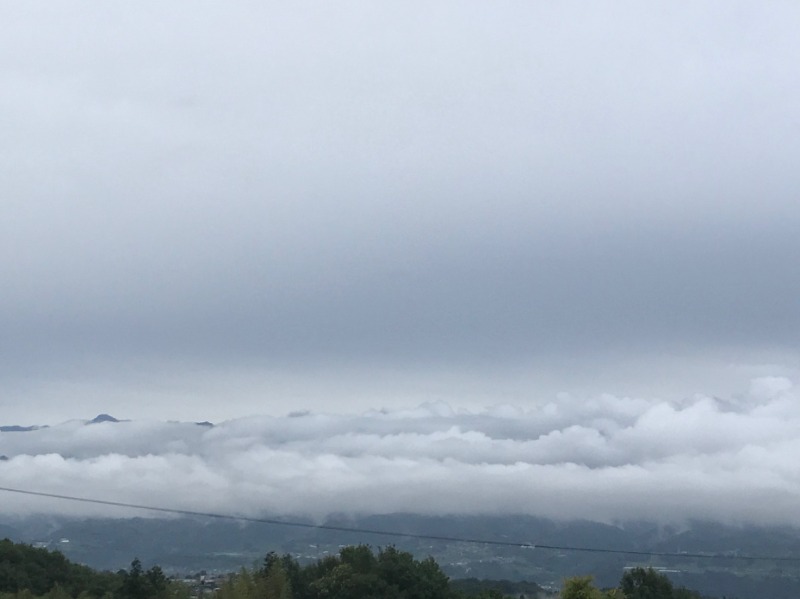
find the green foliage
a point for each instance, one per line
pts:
(638, 583)
(357, 572)
(138, 584)
(57, 593)
(298, 579)
(276, 583)
(580, 587)
(39, 572)
(645, 583)
(27, 572)
(243, 585)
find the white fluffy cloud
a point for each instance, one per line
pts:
(607, 458)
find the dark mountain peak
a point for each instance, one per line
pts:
(102, 418)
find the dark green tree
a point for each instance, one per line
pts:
(276, 582)
(39, 571)
(138, 584)
(580, 587)
(645, 583)
(134, 583)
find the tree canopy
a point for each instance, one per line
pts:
(636, 583)
(357, 572)
(27, 572)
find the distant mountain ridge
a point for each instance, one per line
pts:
(99, 419)
(15, 428)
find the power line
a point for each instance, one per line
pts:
(408, 535)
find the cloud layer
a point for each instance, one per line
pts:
(607, 458)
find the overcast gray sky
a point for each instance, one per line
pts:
(213, 210)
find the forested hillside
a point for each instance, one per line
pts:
(357, 572)
(27, 571)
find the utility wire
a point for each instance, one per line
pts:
(408, 535)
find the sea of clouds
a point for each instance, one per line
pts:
(606, 458)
